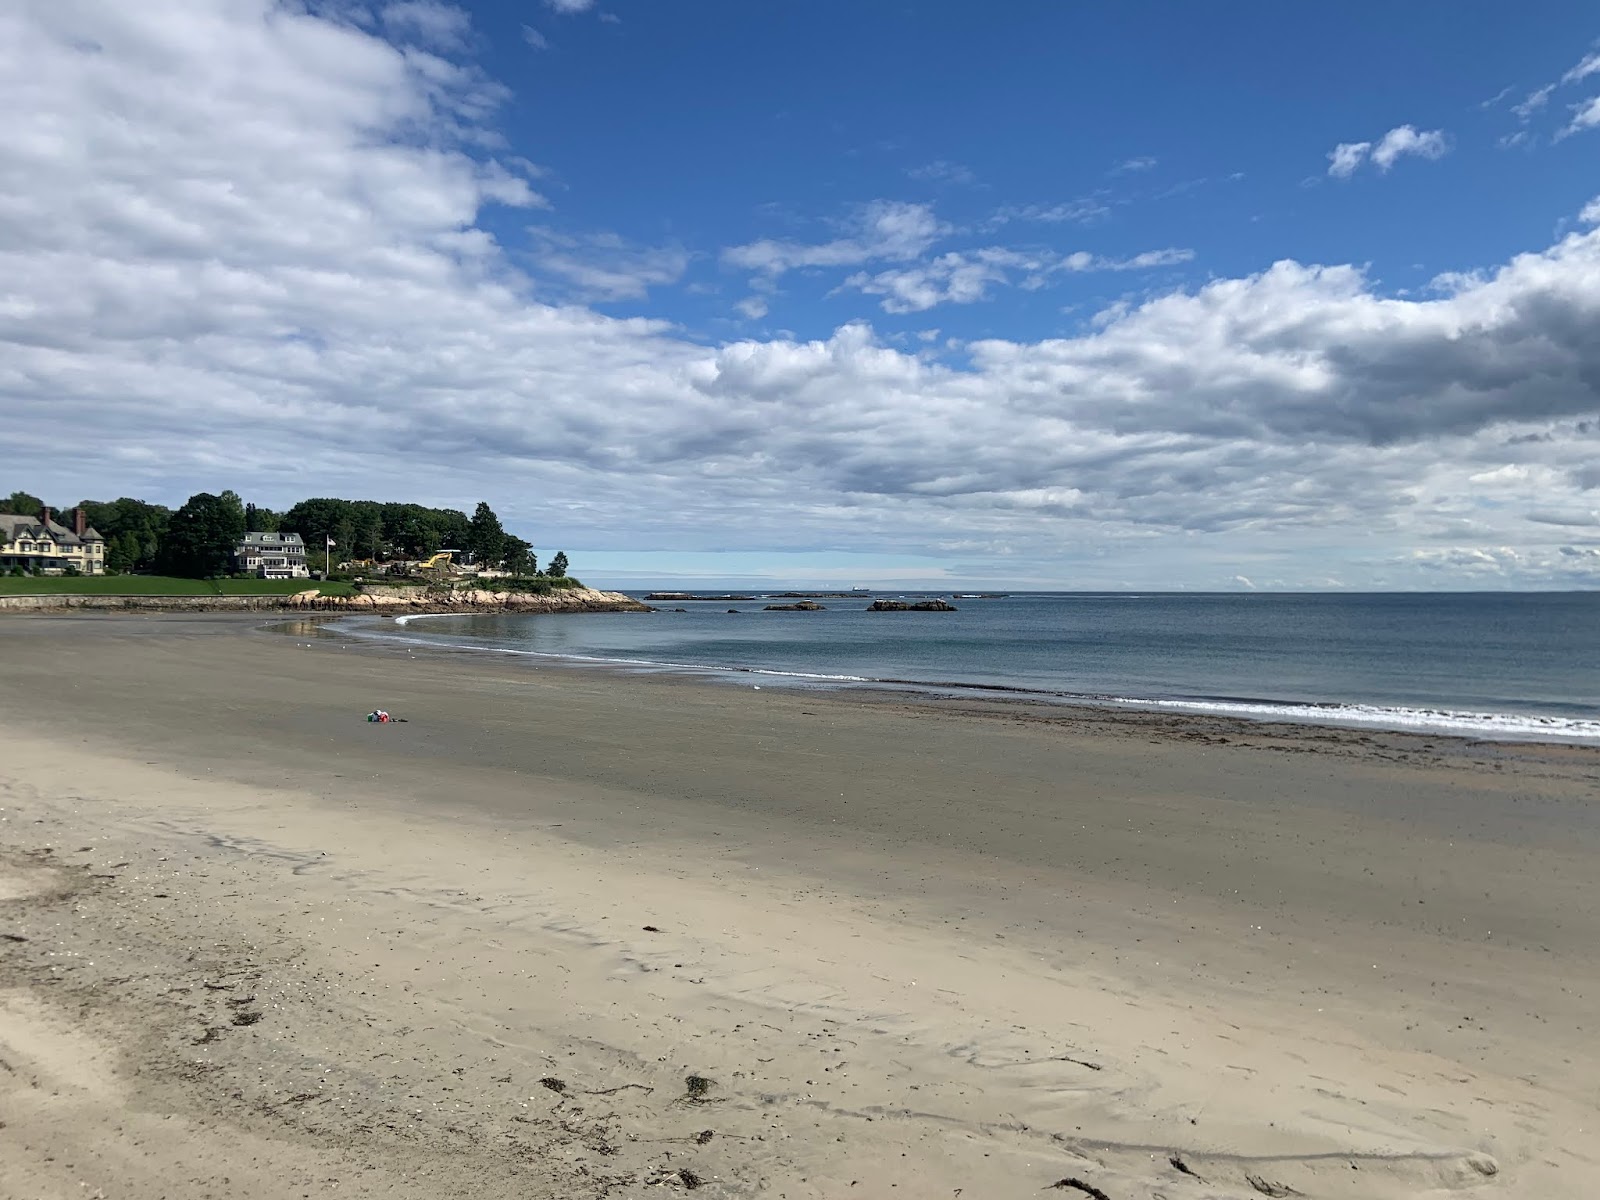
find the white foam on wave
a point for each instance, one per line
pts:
(1398, 718)
(1493, 726)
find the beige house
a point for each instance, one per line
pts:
(38, 543)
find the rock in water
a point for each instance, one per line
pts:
(911, 606)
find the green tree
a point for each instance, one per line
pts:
(260, 520)
(21, 504)
(123, 552)
(485, 538)
(519, 556)
(558, 565)
(201, 535)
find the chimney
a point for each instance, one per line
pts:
(44, 516)
(79, 521)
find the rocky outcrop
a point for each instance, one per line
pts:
(911, 606)
(387, 600)
(802, 606)
(430, 600)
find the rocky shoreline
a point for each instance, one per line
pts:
(390, 600)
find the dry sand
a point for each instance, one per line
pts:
(253, 946)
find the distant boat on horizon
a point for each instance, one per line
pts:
(860, 589)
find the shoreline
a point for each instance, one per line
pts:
(913, 947)
(1488, 727)
(566, 600)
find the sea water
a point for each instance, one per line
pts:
(1523, 665)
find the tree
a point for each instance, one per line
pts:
(138, 528)
(21, 504)
(122, 552)
(485, 538)
(201, 536)
(558, 565)
(520, 558)
(260, 520)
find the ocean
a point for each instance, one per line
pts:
(1518, 666)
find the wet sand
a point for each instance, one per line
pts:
(910, 947)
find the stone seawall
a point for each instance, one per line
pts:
(394, 600)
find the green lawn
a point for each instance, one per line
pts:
(159, 585)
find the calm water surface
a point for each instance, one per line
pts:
(1481, 664)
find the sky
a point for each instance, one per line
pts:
(1035, 295)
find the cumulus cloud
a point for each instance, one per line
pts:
(884, 229)
(752, 308)
(1344, 158)
(1404, 140)
(307, 268)
(1347, 157)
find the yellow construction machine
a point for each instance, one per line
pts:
(440, 563)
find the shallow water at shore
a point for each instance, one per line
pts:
(1523, 666)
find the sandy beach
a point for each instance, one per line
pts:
(574, 933)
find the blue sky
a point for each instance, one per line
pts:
(1118, 296)
(1167, 126)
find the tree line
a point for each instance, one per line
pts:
(197, 540)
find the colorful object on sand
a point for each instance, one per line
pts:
(378, 716)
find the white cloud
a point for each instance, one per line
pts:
(430, 23)
(534, 38)
(1404, 140)
(1347, 157)
(1344, 158)
(1591, 212)
(1080, 212)
(884, 229)
(1143, 163)
(965, 277)
(1585, 116)
(604, 266)
(568, 7)
(277, 242)
(1534, 102)
(752, 308)
(1590, 65)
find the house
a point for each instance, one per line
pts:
(272, 555)
(39, 544)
